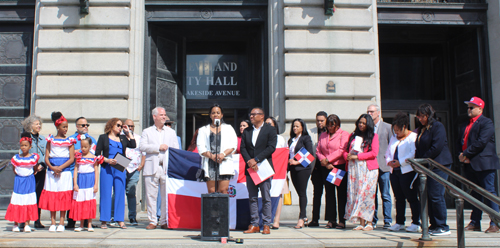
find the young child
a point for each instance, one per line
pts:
(84, 184)
(58, 189)
(23, 207)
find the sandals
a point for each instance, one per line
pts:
(368, 227)
(122, 226)
(313, 223)
(331, 225)
(303, 224)
(340, 226)
(104, 226)
(358, 228)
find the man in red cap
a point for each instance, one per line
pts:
(479, 158)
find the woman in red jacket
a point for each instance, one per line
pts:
(361, 154)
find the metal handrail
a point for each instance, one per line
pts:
(4, 165)
(455, 191)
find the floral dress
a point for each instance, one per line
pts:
(361, 189)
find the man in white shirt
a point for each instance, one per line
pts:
(155, 141)
(384, 132)
(133, 172)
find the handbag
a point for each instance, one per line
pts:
(287, 198)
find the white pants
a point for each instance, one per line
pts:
(152, 183)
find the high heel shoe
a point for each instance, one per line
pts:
(305, 220)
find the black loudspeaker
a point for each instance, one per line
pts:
(214, 216)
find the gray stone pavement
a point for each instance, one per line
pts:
(286, 236)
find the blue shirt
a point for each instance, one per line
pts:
(78, 146)
(114, 148)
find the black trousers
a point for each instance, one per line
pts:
(318, 184)
(402, 192)
(39, 183)
(337, 202)
(300, 180)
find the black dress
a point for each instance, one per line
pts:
(211, 164)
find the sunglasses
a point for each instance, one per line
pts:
(119, 125)
(132, 126)
(471, 108)
(254, 114)
(84, 125)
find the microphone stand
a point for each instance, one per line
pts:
(217, 148)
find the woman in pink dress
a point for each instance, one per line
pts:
(361, 154)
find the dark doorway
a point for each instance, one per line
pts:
(203, 63)
(436, 64)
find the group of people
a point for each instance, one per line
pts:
(59, 173)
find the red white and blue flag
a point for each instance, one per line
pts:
(184, 191)
(304, 157)
(335, 176)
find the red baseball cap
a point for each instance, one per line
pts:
(476, 100)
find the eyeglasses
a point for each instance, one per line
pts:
(254, 114)
(84, 125)
(119, 125)
(132, 126)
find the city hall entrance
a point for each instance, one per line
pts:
(198, 57)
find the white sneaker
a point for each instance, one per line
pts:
(27, 228)
(16, 228)
(78, 229)
(396, 227)
(414, 228)
(90, 229)
(60, 228)
(52, 228)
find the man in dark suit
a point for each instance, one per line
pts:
(384, 132)
(258, 144)
(479, 158)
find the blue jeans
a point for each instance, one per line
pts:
(485, 179)
(436, 203)
(384, 184)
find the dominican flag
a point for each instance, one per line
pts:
(335, 176)
(184, 191)
(304, 157)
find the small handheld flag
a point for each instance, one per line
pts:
(304, 157)
(335, 176)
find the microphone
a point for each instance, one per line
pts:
(217, 122)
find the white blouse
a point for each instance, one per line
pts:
(406, 150)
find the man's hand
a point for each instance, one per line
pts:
(253, 164)
(163, 147)
(140, 168)
(461, 157)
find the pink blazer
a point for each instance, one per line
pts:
(332, 148)
(369, 156)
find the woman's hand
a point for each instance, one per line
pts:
(96, 188)
(324, 162)
(111, 161)
(293, 162)
(220, 157)
(40, 167)
(330, 166)
(56, 169)
(75, 188)
(352, 157)
(394, 164)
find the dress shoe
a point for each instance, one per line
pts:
(151, 226)
(164, 226)
(39, 225)
(471, 227)
(266, 230)
(492, 229)
(253, 229)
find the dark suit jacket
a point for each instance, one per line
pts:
(433, 144)
(304, 141)
(481, 145)
(102, 147)
(264, 146)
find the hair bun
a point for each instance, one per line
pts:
(55, 116)
(25, 135)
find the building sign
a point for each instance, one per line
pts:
(215, 76)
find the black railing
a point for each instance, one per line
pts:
(431, 1)
(424, 168)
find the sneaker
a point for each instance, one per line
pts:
(133, 222)
(27, 228)
(60, 228)
(16, 228)
(113, 224)
(387, 225)
(414, 228)
(440, 232)
(90, 229)
(78, 229)
(396, 227)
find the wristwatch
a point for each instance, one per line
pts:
(257, 159)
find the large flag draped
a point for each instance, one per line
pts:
(184, 191)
